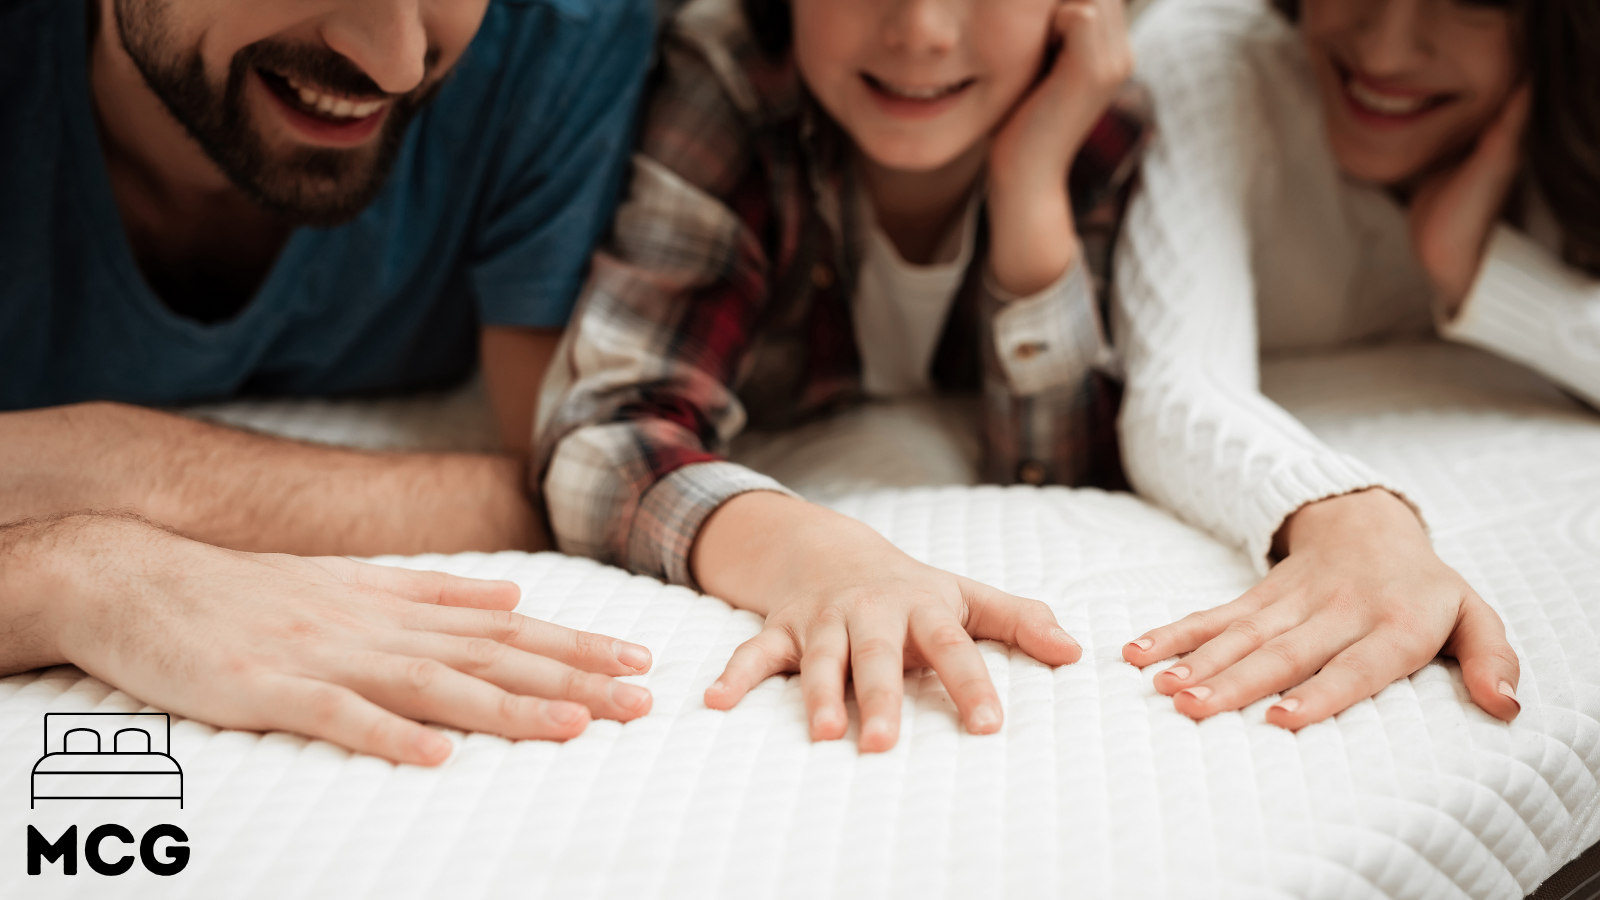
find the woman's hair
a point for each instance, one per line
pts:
(1561, 52)
(772, 23)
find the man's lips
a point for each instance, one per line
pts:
(322, 117)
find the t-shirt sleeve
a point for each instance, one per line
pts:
(565, 150)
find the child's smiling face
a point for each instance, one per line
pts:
(917, 84)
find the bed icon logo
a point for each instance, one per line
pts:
(107, 756)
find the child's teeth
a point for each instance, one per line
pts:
(1384, 103)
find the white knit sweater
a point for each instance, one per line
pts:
(1245, 239)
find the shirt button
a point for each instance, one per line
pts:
(1029, 350)
(821, 276)
(1032, 472)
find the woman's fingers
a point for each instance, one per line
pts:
(528, 674)
(877, 666)
(822, 674)
(341, 716)
(772, 652)
(952, 655)
(1279, 664)
(428, 690)
(1239, 639)
(1488, 664)
(1360, 671)
(1029, 624)
(581, 649)
(1196, 628)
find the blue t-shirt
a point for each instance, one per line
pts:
(503, 185)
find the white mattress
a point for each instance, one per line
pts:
(1096, 787)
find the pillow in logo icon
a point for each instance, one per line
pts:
(107, 756)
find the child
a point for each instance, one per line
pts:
(834, 201)
(1323, 170)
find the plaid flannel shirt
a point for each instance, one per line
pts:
(722, 298)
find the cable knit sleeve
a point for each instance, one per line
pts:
(1529, 306)
(1198, 436)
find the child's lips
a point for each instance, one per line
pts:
(915, 102)
(925, 93)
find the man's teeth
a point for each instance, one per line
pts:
(332, 106)
(1386, 104)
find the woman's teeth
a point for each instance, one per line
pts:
(1386, 104)
(333, 106)
(918, 93)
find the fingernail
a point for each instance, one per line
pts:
(823, 720)
(1510, 693)
(633, 656)
(876, 731)
(629, 696)
(434, 747)
(1179, 672)
(1061, 636)
(1142, 644)
(1198, 693)
(985, 719)
(1287, 704)
(717, 687)
(564, 713)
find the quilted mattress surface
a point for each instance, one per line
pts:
(1095, 788)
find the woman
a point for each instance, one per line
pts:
(1327, 172)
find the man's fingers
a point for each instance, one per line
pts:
(1196, 628)
(822, 671)
(428, 690)
(953, 656)
(1245, 636)
(341, 716)
(429, 587)
(1488, 664)
(582, 649)
(772, 652)
(528, 674)
(1279, 664)
(877, 667)
(1362, 670)
(995, 615)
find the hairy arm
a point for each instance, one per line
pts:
(254, 492)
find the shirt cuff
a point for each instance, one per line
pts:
(1052, 338)
(1525, 304)
(674, 509)
(1286, 491)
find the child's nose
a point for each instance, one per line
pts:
(924, 26)
(1392, 37)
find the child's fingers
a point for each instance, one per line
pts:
(1029, 624)
(1196, 628)
(1488, 664)
(1362, 670)
(1237, 640)
(953, 656)
(769, 653)
(822, 671)
(877, 667)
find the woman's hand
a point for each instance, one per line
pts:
(840, 599)
(1454, 212)
(355, 654)
(1360, 601)
(1030, 214)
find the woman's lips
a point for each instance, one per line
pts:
(907, 101)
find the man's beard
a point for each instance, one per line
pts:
(307, 185)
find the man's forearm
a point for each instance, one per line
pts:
(253, 492)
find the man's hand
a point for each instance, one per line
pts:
(352, 653)
(1360, 601)
(1035, 241)
(1454, 212)
(840, 599)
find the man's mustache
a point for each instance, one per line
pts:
(327, 69)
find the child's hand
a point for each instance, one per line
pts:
(1361, 600)
(1031, 216)
(1455, 211)
(840, 599)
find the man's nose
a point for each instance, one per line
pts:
(386, 39)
